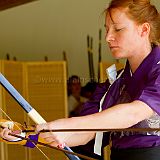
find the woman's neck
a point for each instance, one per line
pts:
(138, 58)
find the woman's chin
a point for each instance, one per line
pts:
(117, 55)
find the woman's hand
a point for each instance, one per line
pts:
(5, 134)
(60, 138)
(8, 127)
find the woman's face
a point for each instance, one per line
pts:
(122, 34)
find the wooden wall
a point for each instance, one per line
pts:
(43, 85)
(104, 65)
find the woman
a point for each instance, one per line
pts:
(133, 100)
(132, 32)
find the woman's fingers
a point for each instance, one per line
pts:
(50, 137)
(43, 126)
(5, 134)
(7, 124)
(56, 138)
(53, 142)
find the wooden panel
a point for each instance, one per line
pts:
(107, 152)
(46, 91)
(52, 154)
(13, 71)
(2, 145)
(104, 66)
(44, 85)
(5, 4)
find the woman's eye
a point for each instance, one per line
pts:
(118, 29)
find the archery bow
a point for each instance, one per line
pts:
(47, 145)
(33, 114)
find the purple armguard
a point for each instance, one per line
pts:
(31, 144)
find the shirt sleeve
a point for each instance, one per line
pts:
(92, 106)
(151, 92)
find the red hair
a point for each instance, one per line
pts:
(140, 11)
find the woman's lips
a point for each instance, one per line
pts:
(114, 47)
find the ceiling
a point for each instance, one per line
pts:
(6, 4)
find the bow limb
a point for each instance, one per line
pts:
(32, 113)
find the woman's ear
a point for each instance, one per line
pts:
(145, 29)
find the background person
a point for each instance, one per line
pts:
(75, 100)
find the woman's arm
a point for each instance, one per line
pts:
(119, 116)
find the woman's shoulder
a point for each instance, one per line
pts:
(154, 72)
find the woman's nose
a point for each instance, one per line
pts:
(109, 37)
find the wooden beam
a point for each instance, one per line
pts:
(5, 4)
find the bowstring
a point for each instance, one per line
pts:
(21, 130)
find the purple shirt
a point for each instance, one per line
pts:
(143, 85)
